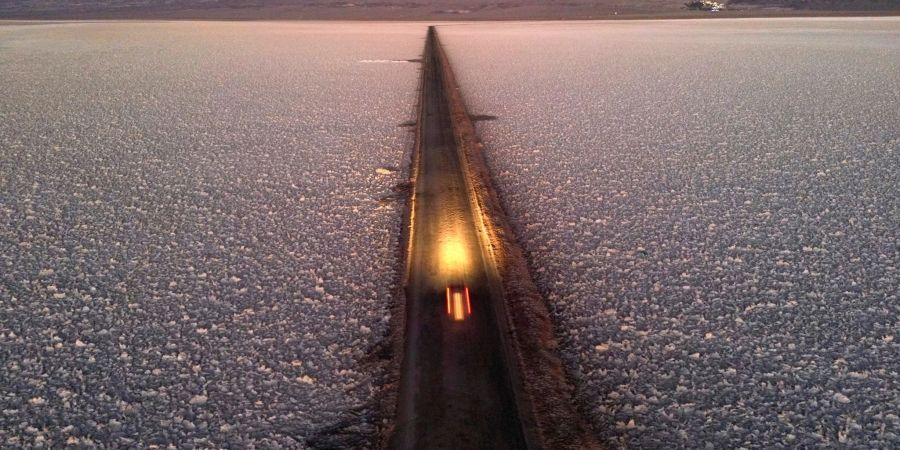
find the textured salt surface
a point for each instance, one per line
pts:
(712, 208)
(192, 247)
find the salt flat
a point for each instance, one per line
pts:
(712, 209)
(195, 244)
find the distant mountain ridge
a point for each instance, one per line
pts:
(390, 9)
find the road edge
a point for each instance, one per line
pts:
(546, 396)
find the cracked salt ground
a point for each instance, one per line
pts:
(190, 252)
(712, 211)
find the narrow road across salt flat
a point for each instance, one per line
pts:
(455, 385)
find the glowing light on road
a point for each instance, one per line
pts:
(453, 266)
(454, 259)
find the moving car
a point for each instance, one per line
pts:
(459, 306)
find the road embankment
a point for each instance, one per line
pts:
(544, 393)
